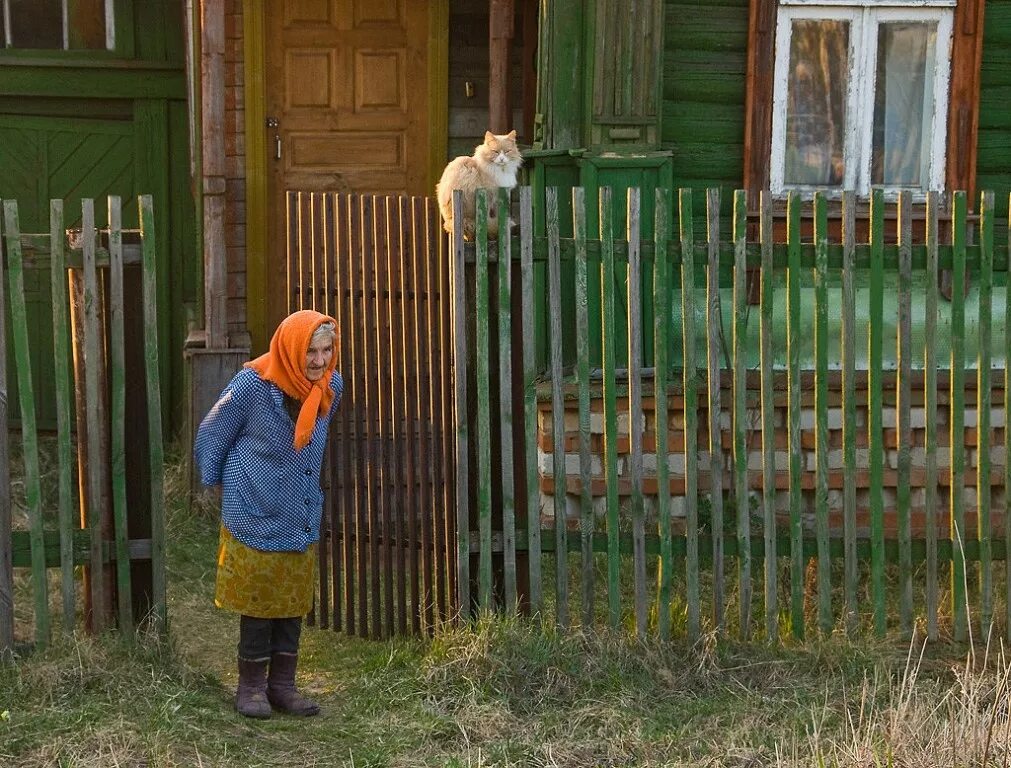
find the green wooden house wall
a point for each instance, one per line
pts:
(77, 124)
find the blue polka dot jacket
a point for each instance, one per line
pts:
(270, 494)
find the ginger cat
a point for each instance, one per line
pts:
(494, 164)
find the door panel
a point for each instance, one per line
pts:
(346, 81)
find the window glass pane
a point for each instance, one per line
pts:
(903, 104)
(86, 22)
(816, 102)
(36, 23)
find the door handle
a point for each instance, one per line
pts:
(273, 122)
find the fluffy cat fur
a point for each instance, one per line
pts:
(494, 164)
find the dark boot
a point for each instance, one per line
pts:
(251, 695)
(281, 690)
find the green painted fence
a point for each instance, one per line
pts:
(841, 328)
(114, 384)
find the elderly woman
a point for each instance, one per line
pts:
(263, 443)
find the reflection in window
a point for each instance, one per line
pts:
(903, 104)
(57, 24)
(816, 102)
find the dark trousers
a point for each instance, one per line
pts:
(259, 638)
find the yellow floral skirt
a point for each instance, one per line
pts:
(267, 585)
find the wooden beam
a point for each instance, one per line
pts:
(500, 34)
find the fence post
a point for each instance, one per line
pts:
(959, 595)
(768, 421)
(741, 495)
(6, 522)
(794, 396)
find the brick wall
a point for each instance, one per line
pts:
(676, 458)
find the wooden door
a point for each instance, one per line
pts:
(347, 108)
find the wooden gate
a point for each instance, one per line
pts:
(379, 265)
(106, 277)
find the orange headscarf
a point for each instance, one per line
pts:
(284, 365)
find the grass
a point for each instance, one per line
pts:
(502, 692)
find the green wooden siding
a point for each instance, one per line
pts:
(81, 124)
(705, 52)
(993, 163)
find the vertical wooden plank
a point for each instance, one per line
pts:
(319, 298)
(370, 319)
(793, 335)
(6, 520)
(557, 410)
(1007, 444)
(350, 466)
(851, 573)
(94, 416)
(768, 418)
(983, 405)
(367, 541)
(408, 499)
(388, 401)
(905, 432)
(65, 455)
(337, 443)
(586, 521)
(505, 371)
(714, 344)
(691, 406)
(635, 414)
(930, 415)
(460, 406)
(149, 266)
(740, 412)
(359, 445)
(874, 417)
(530, 336)
(821, 413)
(481, 314)
(661, 362)
(608, 331)
(959, 607)
(29, 434)
(117, 420)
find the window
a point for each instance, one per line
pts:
(860, 97)
(862, 94)
(58, 24)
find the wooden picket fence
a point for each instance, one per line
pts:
(88, 279)
(500, 554)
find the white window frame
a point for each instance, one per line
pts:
(110, 27)
(864, 18)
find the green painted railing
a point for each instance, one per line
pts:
(90, 277)
(709, 510)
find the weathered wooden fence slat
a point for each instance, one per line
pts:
(635, 414)
(691, 401)
(460, 349)
(875, 345)
(346, 454)
(714, 351)
(661, 342)
(557, 411)
(609, 331)
(505, 370)
(983, 404)
(794, 395)
(821, 510)
(930, 415)
(956, 441)
(117, 421)
(156, 455)
(851, 573)
(529, 397)
(904, 430)
(742, 499)
(586, 520)
(406, 558)
(442, 426)
(766, 301)
(6, 515)
(61, 355)
(94, 418)
(1007, 450)
(483, 398)
(387, 240)
(29, 433)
